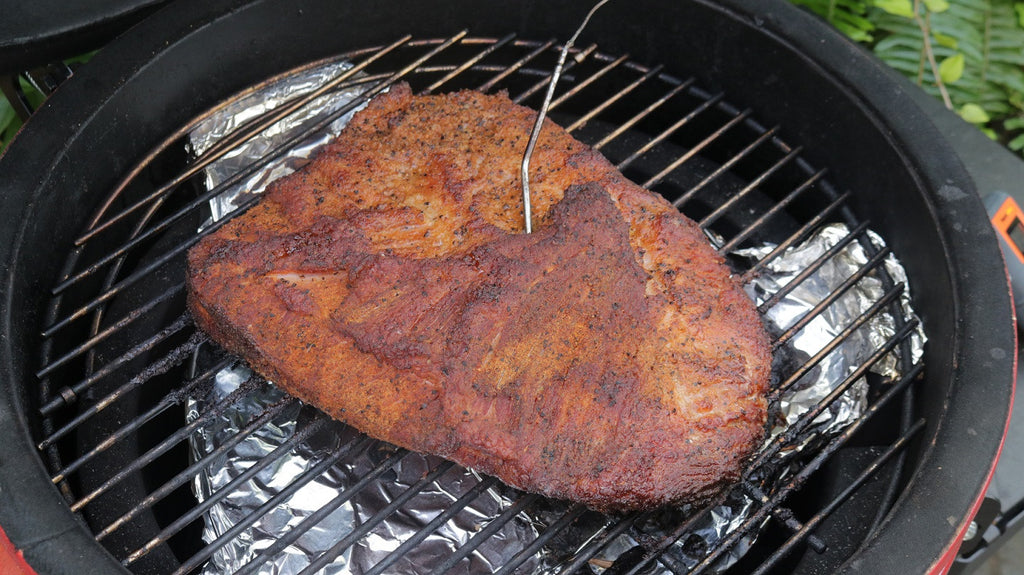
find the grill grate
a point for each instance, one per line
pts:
(116, 329)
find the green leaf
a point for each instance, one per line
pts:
(9, 123)
(81, 58)
(903, 8)
(848, 16)
(1016, 144)
(1018, 7)
(974, 114)
(936, 6)
(855, 34)
(952, 68)
(7, 114)
(944, 40)
(1014, 123)
(992, 135)
(35, 97)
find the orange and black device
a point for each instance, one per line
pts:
(1008, 220)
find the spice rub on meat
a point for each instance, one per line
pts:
(607, 358)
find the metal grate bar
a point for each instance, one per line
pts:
(792, 485)
(842, 336)
(664, 134)
(568, 517)
(810, 415)
(614, 98)
(243, 173)
(193, 513)
(217, 190)
(578, 86)
(595, 546)
(469, 63)
(242, 133)
(435, 523)
(255, 126)
(732, 161)
(654, 180)
(824, 513)
(317, 516)
(834, 445)
(658, 551)
(797, 236)
(753, 185)
(515, 66)
(147, 270)
(784, 515)
(543, 83)
(625, 126)
(173, 397)
(844, 287)
(110, 330)
(413, 490)
(774, 210)
(482, 535)
(70, 394)
(812, 268)
(173, 439)
(187, 473)
(203, 554)
(161, 366)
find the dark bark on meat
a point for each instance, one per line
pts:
(607, 358)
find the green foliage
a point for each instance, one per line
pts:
(10, 123)
(848, 16)
(902, 8)
(974, 114)
(968, 52)
(952, 68)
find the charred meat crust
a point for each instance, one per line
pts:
(607, 358)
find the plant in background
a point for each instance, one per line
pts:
(10, 123)
(969, 53)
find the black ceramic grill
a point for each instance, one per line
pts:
(119, 335)
(99, 356)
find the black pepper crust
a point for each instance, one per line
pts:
(607, 358)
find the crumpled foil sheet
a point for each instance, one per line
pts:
(237, 113)
(523, 529)
(379, 541)
(834, 368)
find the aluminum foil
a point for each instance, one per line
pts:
(397, 527)
(326, 489)
(835, 367)
(238, 112)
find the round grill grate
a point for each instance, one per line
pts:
(121, 354)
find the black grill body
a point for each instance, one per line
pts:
(839, 105)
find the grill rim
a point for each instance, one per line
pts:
(986, 324)
(59, 131)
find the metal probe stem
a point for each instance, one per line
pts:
(535, 133)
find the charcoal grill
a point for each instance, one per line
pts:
(723, 111)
